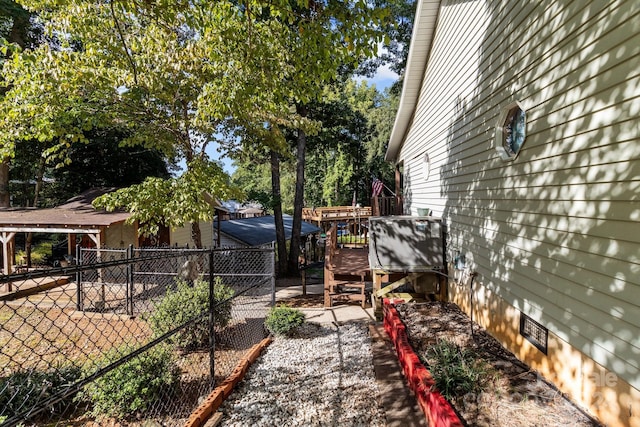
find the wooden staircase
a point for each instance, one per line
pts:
(345, 273)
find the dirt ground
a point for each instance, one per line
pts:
(515, 396)
(47, 338)
(33, 338)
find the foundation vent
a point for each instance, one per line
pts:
(534, 332)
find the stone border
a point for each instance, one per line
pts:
(211, 404)
(436, 408)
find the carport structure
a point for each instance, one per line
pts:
(75, 217)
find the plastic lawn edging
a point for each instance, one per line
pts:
(211, 404)
(436, 408)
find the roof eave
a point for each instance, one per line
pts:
(424, 28)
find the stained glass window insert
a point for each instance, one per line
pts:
(514, 131)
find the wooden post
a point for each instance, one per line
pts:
(304, 282)
(398, 185)
(7, 255)
(377, 285)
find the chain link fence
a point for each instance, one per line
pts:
(133, 336)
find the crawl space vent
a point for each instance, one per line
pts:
(534, 332)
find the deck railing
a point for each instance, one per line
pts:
(385, 206)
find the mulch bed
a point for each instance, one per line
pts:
(515, 394)
(305, 301)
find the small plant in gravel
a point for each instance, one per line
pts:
(28, 388)
(187, 302)
(282, 320)
(456, 371)
(134, 386)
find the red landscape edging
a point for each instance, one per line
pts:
(211, 404)
(436, 408)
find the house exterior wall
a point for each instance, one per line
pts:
(229, 242)
(554, 233)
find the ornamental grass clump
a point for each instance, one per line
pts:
(283, 320)
(28, 388)
(457, 371)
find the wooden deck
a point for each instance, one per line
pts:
(319, 216)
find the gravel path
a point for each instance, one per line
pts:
(322, 376)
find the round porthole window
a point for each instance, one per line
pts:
(514, 131)
(511, 131)
(426, 165)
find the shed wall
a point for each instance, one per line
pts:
(554, 233)
(120, 235)
(181, 236)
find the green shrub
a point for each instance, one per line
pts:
(25, 389)
(282, 320)
(187, 302)
(456, 371)
(39, 253)
(134, 386)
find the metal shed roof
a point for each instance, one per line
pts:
(261, 230)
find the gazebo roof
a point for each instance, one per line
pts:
(76, 213)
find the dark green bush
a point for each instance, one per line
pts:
(25, 389)
(281, 320)
(187, 302)
(134, 386)
(456, 371)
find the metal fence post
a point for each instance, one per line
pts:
(129, 280)
(79, 296)
(212, 332)
(272, 265)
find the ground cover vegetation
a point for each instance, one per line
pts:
(283, 320)
(484, 382)
(187, 302)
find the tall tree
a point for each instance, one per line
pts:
(395, 48)
(17, 28)
(173, 78)
(178, 75)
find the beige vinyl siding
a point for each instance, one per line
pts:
(229, 242)
(181, 236)
(556, 232)
(120, 235)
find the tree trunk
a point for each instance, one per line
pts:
(20, 22)
(294, 250)
(196, 235)
(5, 200)
(36, 197)
(281, 242)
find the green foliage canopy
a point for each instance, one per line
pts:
(177, 76)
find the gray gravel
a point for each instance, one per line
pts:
(322, 376)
